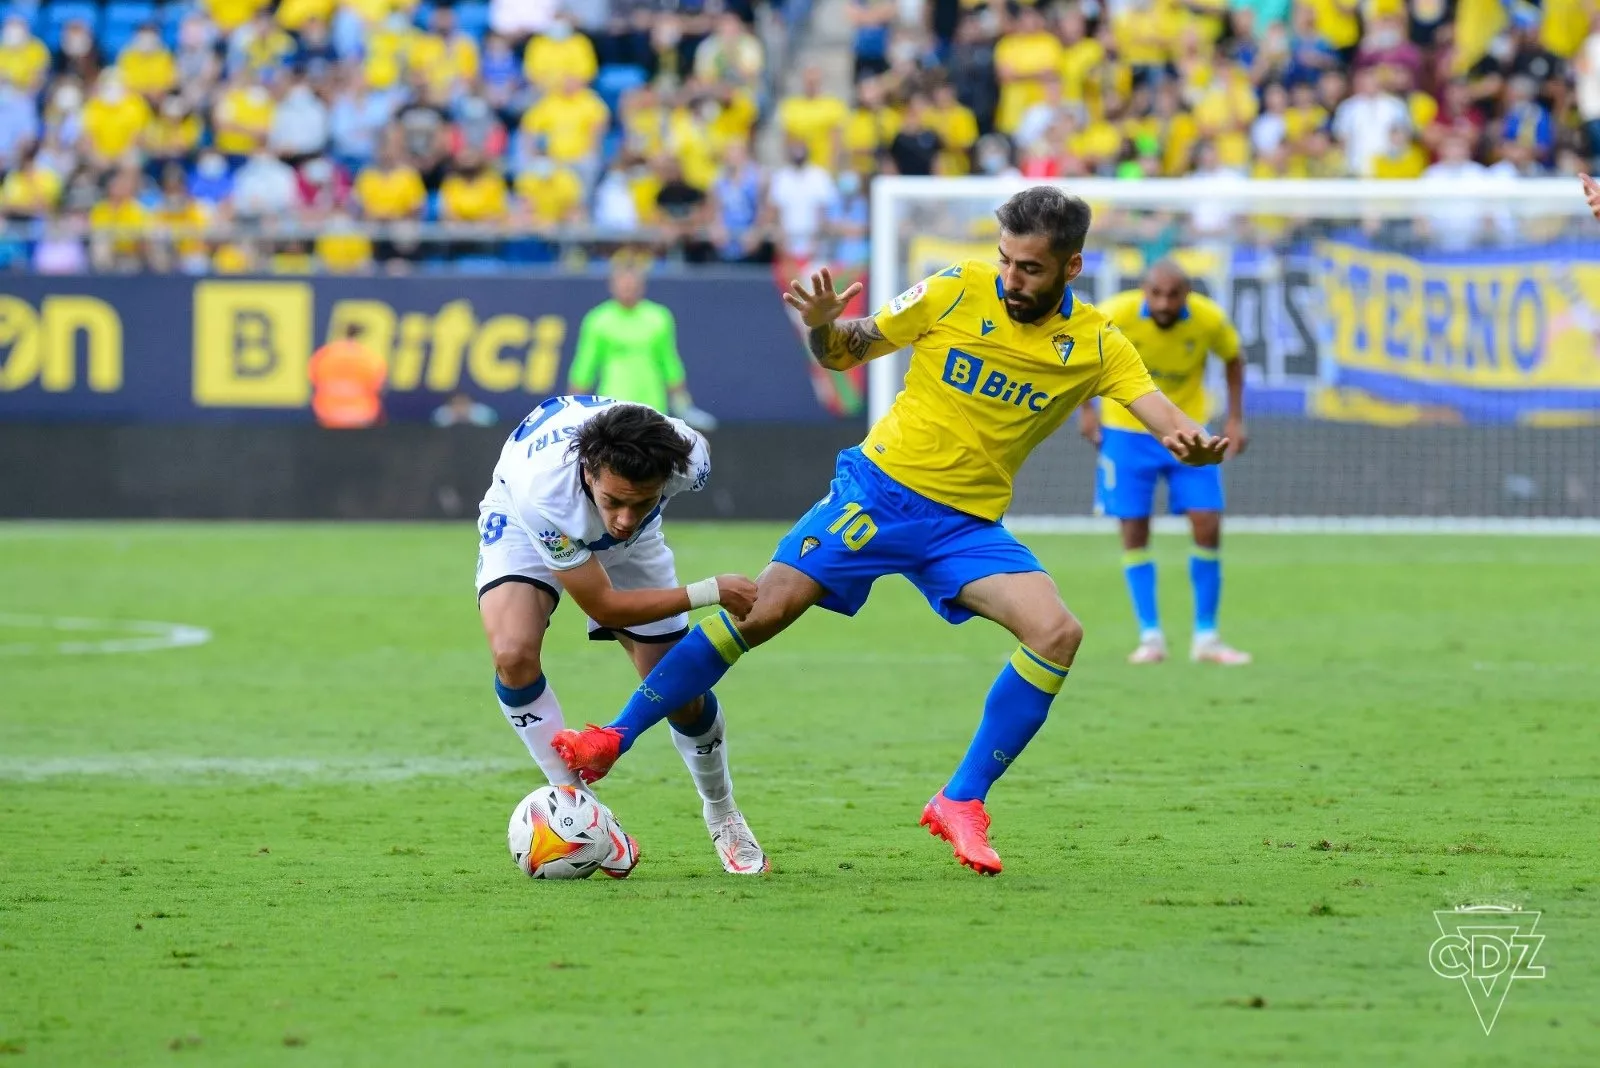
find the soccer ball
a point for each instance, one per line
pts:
(559, 832)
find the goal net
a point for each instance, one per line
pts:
(1419, 355)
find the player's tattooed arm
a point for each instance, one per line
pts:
(840, 346)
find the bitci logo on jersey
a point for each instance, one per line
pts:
(965, 372)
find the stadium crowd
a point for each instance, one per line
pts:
(245, 135)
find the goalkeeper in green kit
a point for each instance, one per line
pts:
(628, 350)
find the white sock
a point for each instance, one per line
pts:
(536, 722)
(706, 757)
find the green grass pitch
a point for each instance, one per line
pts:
(286, 846)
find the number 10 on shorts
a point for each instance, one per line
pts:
(854, 527)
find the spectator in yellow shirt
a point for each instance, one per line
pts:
(390, 189)
(1404, 159)
(147, 67)
(341, 248)
(173, 132)
(229, 15)
(30, 191)
(447, 55)
(262, 46)
(1023, 59)
(112, 120)
(115, 224)
(559, 55)
(294, 14)
(814, 119)
(551, 194)
(24, 59)
(242, 117)
(473, 192)
(869, 129)
(571, 121)
(957, 128)
(181, 221)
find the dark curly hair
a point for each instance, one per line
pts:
(1044, 209)
(632, 441)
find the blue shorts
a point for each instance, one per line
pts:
(869, 526)
(1131, 463)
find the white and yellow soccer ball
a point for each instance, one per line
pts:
(559, 832)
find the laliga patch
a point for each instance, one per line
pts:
(807, 544)
(558, 545)
(908, 298)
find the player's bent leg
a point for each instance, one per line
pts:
(1139, 571)
(1205, 578)
(700, 736)
(515, 616)
(1028, 605)
(693, 667)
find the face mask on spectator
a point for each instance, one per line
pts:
(192, 35)
(903, 52)
(395, 23)
(68, 98)
(75, 43)
(112, 92)
(542, 168)
(14, 34)
(992, 162)
(211, 167)
(318, 172)
(146, 42)
(559, 31)
(849, 183)
(797, 156)
(172, 108)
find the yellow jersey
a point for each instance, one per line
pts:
(1176, 357)
(983, 391)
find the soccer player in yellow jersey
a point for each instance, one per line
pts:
(1001, 355)
(1175, 330)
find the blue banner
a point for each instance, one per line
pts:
(171, 349)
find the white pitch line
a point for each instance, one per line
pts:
(151, 635)
(169, 768)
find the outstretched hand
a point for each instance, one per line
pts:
(1196, 449)
(1591, 193)
(821, 305)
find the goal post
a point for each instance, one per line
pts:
(1419, 354)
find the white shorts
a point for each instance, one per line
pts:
(647, 564)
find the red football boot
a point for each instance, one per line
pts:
(965, 825)
(589, 752)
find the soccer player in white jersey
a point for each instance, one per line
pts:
(575, 507)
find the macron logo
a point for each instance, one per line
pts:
(986, 328)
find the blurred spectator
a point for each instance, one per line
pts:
(1365, 123)
(870, 127)
(476, 129)
(614, 205)
(501, 76)
(347, 380)
(357, 118)
(551, 195)
(259, 47)
(801, 193)
(390, 190)
(180, 222)
(425, 131)
(1586, 68)
(462, 410)
(24, 59)
(737, 196)
(732, 56)
(1029, 55)
(172, 134)
(116, 222)
(814, 119)
(449, 56)
(957, 128)
(19, 123)
(299, 124)
(340, 248)
(147, 68)
(473, 192)
(872, 20)
(242, 117)
(972, 71)
(314, 53)
(684, 211)
(560, 56)
(211, 183)
(79, 55)
(29, 191)
(61, 250)
(571, 121)
(322, 187)
(1403, 159)
(849, 223)
(196, 61)
(1527, 129)
(516, 19)
(265, 188)
(915, 148)
(994, 157)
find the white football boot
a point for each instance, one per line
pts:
(1210, 649)
(737, 848)
(1152, 650)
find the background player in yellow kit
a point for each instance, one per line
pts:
(1174, 330)
(1001, 355)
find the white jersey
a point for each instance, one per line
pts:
(538, 479)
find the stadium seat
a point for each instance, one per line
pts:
(29, 12)
(472, 18)
(56, 17)
(616, 79)
(122, 20)
(422, 14)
